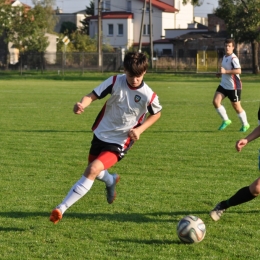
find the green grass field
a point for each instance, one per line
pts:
(182, 165)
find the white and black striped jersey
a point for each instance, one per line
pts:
(125, 109)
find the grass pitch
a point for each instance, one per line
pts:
(181, 165)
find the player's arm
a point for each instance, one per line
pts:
(150, 120)
(85, 102)
(233, 71)
(252, 136)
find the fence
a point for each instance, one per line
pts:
(200, 61)
(62, 62)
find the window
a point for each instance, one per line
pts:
(146, 29)
(128, 6)
(120, 29)
(110, 29)
(166, 52)
(106, 6)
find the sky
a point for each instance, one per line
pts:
(71, 6)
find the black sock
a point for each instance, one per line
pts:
(243, 195)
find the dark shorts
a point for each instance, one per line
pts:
(98, 146)
(233, 95)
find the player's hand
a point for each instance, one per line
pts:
(222, 70)
(218, 75)
(78, 108)
(240, 144)
(134, 134)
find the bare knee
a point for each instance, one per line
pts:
(93, 170)
(237, 106)
(215, 103)
(255, 187)
(217, 99)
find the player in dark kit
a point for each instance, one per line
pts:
(118, 125)
(247, 193)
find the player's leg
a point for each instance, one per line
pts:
(235, 97)
(96, 169)
(243, 195)
(217, 99)
(78, 190)
(258, 115)
(108, 159)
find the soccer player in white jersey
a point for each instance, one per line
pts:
(118, 125)
(246, 193)
(231, 87)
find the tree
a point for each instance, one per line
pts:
(193, 2)
(80, 42)
(242, 18)
(50, 20)
(89, 11)
(26, 28)
(68, 28)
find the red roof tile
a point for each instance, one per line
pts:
(162, 6)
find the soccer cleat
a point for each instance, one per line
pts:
(217, 212)
(225, 124)
(244, 128)
(111, 190)
(56, 216)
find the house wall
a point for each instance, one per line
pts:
(168, 21)
(157, 24)
(115, 40)
(93, 28)
(130, 32)
(50, 53)
(184, 16)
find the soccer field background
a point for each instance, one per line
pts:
(182, 165)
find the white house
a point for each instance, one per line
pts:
(122, 20)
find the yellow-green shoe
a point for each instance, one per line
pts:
(225, 124)
(244, 128)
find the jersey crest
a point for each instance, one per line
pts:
(137, 98)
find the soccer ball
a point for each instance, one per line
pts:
(191, 229)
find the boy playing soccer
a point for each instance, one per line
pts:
(118, 125)
(231, 87)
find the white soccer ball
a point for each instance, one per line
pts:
(191, 229)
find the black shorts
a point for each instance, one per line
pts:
(233, 95)
(98, 146)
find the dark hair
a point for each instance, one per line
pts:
(230, 40)
(135, 63)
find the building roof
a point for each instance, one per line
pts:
(11, 2)
(113, 15)
(201, 35)
(162, 6)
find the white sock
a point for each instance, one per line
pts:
(106, 177)
(243, 118)
(80, 188)
(222, 112)
(258, 122)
